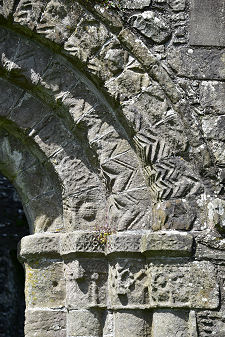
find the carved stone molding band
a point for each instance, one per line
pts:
(149, 244)
(132, 271)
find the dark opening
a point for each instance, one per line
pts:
(13, 226)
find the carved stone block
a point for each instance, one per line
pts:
(6, 7)
(212, 97)
(211, 323)
(28, 12)
(86, 283)
(204, 252)
(176, 214)
(152, 26)
(135, 284)
(39, 244)
(128, 283)
(123, 242)
(167, 243)
(80, 242)
(191, 285)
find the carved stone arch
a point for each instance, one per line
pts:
(77, 130)
(152, 107)
(26, 167)
(104, 97)
(145, 95)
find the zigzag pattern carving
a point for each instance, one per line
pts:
(168, 177)
(150, 148)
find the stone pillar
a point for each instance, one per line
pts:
(45, 287)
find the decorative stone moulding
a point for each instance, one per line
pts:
(162, 243)
(132, 270)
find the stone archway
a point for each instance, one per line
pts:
(114, 140)
(152, 108)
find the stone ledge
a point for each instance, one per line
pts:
(47, 244)
(80, 242)
(124, 243)
(167, 243)
(205, 253)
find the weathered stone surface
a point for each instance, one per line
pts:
(213, 127)
(207, 23)
(41, 216)
(10, 96)
(152, 26)
(129, 83)
(175, 214)
(134, 4)
(86, 283)
(193, 285)
(218, 151)
(39, 244)
(45, 323)
(6, 7)
(203, 252)
(216, 214)
(177, 5)
(80, 242)
(84, 323)
(167, 244)
(15, 160)
(125, 275)
(210, 322)
(21, 113)
(87, 39)
(175, 323)
(132, 323)
(45, 284)
(134, 284)
(198, 63)
(124, 243)
(108, 329)
(28, 13)
(212, 97)
(56, 20)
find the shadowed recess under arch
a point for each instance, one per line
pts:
(13, 226)
(35, 181)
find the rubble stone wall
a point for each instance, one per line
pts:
(112, 131)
